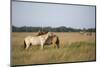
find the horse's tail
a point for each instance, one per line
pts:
(57, 42)
(24, 44)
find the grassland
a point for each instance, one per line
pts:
(73, 47)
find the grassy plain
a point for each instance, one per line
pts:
(74, 47)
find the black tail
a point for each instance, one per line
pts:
(24, 44)
(57, 42)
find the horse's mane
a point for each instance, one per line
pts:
(41, 33)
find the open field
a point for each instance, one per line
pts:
(73, 47)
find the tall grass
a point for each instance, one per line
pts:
(68, 52)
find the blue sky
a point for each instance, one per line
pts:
(54, 15)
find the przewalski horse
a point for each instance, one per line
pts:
(53, 39)
(36, 40)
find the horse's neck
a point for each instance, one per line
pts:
(45, 37)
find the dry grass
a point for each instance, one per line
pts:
(73, 47)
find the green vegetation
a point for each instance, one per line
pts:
(56, 29)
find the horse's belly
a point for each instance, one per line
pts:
(35, 42)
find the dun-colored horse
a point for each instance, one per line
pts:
(53, 39)
(36, 40)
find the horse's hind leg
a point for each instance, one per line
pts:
(57, 45)
(24, 44)
(27, 45)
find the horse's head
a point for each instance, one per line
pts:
(50, 34)
(41, 33)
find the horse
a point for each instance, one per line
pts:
(53, 39)
(36, 40)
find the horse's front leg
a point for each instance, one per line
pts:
(42, 45)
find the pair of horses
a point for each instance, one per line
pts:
(42, 38)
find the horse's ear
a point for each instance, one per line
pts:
(50, 33)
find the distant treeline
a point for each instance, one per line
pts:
(52, 29)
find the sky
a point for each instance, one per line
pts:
(53, 15)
